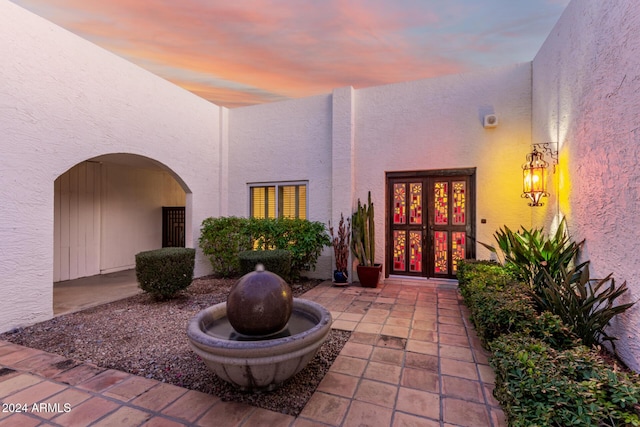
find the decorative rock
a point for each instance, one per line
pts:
(260, 303)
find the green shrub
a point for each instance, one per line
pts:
(302, 238)
(538, 385)
(531, 254)
(164, 272)
(221, 239)
(277, 261)
(586, 306)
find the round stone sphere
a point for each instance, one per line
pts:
(260, 303)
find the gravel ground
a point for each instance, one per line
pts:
(148, 338)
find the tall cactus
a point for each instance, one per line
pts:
(363, 234)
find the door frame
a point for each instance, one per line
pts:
(470, 248)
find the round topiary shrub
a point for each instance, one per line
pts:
(164, 272)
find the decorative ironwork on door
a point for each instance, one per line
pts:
(173, 226)
(430, 223)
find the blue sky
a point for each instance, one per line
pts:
(245, 52)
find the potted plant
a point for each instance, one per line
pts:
(363, 244)
(340, 244)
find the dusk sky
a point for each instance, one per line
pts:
(244, 52)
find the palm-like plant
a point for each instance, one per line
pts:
(585, 305)
(532, 255)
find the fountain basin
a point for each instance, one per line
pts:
(259, 363)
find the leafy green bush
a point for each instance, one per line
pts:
(164, 272)
(538, 385)
(586, 306)
(531, 254)
(222, 239)
(277, 261)
(499, 306)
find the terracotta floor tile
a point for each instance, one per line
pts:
(388, 355)
(370, 328)
(39, 361)
(124, 416)
(408, 315)
(17, 383)
(420, 380)
(426, 362)
(325, 408)
(397, 321)
(162, 422)
(452, 329)
(159, 397)
(227, 414)
(449, 312)
(85, 413)
(425, 325)
(71, 398)
(456, 321)
(191, 405)
(363, 338)
(79, 374)
(456, 352)
(352, 349)
(377, 319)
(301, 422)
(458, 340)
(339, 384)
(383, 372)
(130, 388)
(462, 388)
(498, 418)
(488, 393)
(419, 402)
(466, 414)
(104, 380)
(352, 317)
(422, 335)
(457, 368)
(18, 355)
(396, 331)
(406, 420)
(391, 342)
(39, 392)
(19, 420)
(265, 418)
(376, 392)
(344, 325)
(424, 347)
(487, 374)
(348, 365)
(408, 307)
(368, 414)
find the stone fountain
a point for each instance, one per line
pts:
(261, 336)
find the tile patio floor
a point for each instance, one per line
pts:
(413, 359)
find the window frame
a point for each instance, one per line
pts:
(277, 185)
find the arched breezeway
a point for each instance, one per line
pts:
(107, 209)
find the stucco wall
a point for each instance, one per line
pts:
(63, 101)
(438, 124)
(586, 81)
(283, 141)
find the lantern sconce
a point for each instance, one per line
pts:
(534, 173)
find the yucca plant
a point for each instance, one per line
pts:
(585, 305)
(530, 254)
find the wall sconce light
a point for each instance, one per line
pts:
(534, 174)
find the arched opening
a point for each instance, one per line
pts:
(106, 210)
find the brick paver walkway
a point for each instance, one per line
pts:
(413, 359)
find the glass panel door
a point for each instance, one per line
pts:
(429, 224)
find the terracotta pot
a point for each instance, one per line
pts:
(369, 276)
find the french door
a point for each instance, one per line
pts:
(430, 218)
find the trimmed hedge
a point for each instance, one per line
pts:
(277, 261)
(164, 272)
(544, 375)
